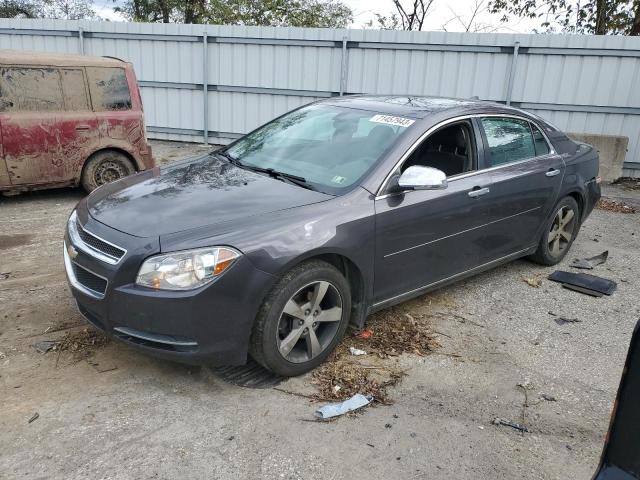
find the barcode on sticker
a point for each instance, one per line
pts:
(391, 120)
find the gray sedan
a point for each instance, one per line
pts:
(271, 246)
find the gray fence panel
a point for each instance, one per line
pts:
(587, 84)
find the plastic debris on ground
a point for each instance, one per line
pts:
(589, 263)
(584, 283)
(336, 409)
(356, 351)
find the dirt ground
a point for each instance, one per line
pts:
(107, 411)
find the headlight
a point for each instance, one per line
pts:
(187, 269)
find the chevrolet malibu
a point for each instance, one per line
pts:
(273, 245)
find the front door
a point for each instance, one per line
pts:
(426, 236)
(526, 176)
(47, 126)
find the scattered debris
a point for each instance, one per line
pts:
(392, 333)
(387, 425)
(627, 183)
(563, 320)
(45, 345)
(613, 206)
(4, 275)
(584, 282)
(356, 351)
(507, 423)
(2, 355)
(535, 282)
(336, 409)
(589, 263)
(34, 417)
(365, 334)
(548, 398)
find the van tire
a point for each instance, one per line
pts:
(104, 167)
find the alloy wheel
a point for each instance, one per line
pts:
(109, 171)
(309, 322)
(561, 231)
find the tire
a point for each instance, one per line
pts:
(277, 331)
(104, 167)
(559, 233)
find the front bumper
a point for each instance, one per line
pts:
(210, 325)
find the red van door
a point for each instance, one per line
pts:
(48, 126)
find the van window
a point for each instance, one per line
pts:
(75, 92)
(30, 89)
(109, 89)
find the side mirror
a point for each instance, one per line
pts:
(422, 178)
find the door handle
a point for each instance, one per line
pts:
(82, 127)
(478, 192)
(553, 172)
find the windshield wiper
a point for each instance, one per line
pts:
(228, 157)
(295, 179)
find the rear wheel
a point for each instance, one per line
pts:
(302, 319)
(559, 233)
(104, 167)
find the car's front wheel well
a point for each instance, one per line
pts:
(356, 282)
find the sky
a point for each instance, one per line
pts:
(449, 15)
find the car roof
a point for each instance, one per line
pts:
(29, 57)
(419, 107)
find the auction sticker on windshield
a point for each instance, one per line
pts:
(391, 120)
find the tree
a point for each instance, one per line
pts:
(469, 22)
(600, 17)
(408, 17)
(294, 13)
(58, 9)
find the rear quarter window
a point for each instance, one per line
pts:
(30, 89)
(109, 89)
(74, 89)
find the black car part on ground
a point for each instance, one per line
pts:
(621, 454)
(584, 281)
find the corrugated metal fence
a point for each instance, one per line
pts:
(249, 75)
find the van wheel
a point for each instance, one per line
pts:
(302, 320)
(104, 167)
(559, 233)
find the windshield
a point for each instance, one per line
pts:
(331, 148)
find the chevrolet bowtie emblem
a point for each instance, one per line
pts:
(73, 253)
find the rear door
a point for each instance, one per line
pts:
(45, 123)
(526, 175)
(119, 118)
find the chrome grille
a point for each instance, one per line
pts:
(99, 244)
(92, 244)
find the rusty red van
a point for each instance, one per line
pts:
(68, 120)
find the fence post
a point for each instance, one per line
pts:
(205, 89)
(81, 40)
(343, 67)
(512, 72)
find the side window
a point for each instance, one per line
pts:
(509, 140)
(73, 87)
(541, 145)
(30, 89)
(109, 88)
(450, 149)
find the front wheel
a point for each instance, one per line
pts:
(559, 233)
(302, 320)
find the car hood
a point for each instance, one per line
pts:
(195, 193)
